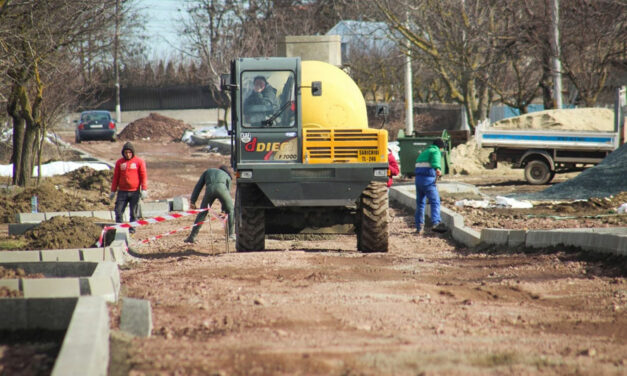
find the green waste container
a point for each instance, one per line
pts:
(411, 147)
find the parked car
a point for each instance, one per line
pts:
(95, 125)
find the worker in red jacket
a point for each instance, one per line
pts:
(393, 169)
(130, 181)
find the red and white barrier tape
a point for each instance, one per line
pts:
(144, 241)
(159, 219)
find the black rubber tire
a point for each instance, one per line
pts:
(372, 224)
(77, 139)
(537, 172)
(250, 227)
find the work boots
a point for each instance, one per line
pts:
(192, 236)
(439, 227)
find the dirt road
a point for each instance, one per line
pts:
(317, 307)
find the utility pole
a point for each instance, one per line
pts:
(409, 99)
(555, 49)
(116, 48)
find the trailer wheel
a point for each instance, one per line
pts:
(372, 224)
(250, 227)
(538, 172)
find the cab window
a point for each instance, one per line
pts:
(268, 99)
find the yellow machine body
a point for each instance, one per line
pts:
(341, 104)
(335, 124)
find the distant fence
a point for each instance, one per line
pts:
(152, 98)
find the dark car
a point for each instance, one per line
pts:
(95, 125)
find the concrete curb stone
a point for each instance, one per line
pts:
(136, 317)
(102, 279)
(611, 240)
(85, 348)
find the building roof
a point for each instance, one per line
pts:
(363, 34)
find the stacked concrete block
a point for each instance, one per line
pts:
(153, 209)
(180, 203)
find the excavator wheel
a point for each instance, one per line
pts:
(372, 224)
(249, 227)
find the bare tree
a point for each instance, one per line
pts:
(35, 36)
(593, 37)
(376, 70)
(521, 65)
(455, 39)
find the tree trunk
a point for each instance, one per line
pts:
(26, 167)
(18, 134)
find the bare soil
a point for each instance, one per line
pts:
(317, 307)
(82, 189)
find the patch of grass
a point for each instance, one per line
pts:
(10, 244)
(495, 360)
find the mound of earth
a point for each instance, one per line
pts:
(63, 232)
(580, 119)
(154, 127)
(89, 179)
(608, 178)
(78, 190)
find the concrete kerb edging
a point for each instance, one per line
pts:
(115, 252)
(87, 278)
(25, 221)
(603, 240)
(85, 346)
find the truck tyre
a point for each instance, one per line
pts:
(250, 227)
(537, 172)
(372, 224)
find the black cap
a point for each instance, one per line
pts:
(439, 143)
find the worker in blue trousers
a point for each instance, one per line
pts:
(428, 170)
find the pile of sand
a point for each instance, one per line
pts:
(579, 119)
(470, 159)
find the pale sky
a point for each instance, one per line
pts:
(161, 25)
